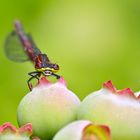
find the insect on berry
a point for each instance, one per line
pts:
(20, 47)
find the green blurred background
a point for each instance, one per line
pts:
(92, 41)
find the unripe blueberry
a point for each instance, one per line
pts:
(49, 107)
(120, 109)
(83, 130)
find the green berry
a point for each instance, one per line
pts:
(49, 107)
(119, 109)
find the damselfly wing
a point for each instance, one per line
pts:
(14, 49)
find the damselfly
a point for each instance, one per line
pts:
(20, 47)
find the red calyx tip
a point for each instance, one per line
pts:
(44, 81)
(138, 97)
(24, 129)
(27, 128)
(8, 126)
(109, 85)
(93, 128)
(106, 128)
(126, 92)
(62, 81)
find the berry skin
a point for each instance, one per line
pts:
(49, 107)
(119, 109)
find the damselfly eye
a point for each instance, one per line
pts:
(56, 67)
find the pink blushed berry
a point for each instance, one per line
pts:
(49, 107)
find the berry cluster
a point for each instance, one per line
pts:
(52, 112)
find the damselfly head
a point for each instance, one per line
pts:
(42, 63)
(51, 67)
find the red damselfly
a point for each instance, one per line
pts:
(20, 47)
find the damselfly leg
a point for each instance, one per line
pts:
(57, 76)
(34, 75)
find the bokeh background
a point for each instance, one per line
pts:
(92, 41)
